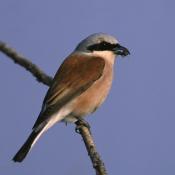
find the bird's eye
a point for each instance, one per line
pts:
(104, 43)
(104, 46)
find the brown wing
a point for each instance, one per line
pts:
(75, 75)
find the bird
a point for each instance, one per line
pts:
(79, 87)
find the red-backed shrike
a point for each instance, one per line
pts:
(79, 87)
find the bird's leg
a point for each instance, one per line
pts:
(81, 122)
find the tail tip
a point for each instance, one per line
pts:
(19, 157)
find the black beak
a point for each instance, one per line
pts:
(120, 50)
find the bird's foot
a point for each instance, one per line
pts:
(79, 123)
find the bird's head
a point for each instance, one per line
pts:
(100, 42)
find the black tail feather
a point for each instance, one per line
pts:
(22, 153)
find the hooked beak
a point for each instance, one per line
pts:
(120, 50)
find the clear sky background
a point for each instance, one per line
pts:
(134, 130)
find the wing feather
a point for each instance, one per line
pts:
(75, 75)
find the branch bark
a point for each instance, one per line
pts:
(25, 63)
(97, 162)
(81, 126)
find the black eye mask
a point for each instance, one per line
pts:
(102, 46)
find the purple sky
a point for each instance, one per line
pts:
(134, 130)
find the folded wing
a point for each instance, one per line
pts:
(75, 75)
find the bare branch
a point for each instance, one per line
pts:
(25, 63)
(45, 79)
(91, 148)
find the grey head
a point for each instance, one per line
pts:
(101, 42)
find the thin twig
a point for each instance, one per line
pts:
(45, 79)
(25, 63)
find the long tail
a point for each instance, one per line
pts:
(37, 132)
(22, 153)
